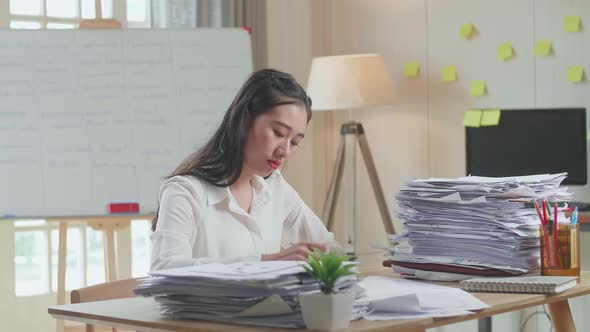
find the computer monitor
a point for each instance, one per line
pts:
(530, 141)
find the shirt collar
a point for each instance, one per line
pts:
(261, 188)
(216, 194)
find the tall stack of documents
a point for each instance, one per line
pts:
(457, 228)
(253, 293)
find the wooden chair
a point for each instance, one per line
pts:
(111, 290)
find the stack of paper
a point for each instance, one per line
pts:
(254, 293)
(394, 298)
(457, 228)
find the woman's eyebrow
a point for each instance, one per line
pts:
(287, 126)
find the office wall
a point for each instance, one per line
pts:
(298, 31)
(289, 38)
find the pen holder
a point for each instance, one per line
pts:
(560, 253)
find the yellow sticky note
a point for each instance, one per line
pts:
(490, 117)
(412, 69)
(478, 88)
(466, 31)
(572, 23)
(449, 74)
(543, 47)
(588, 136)
(472, 118)
(575, 74)
(504, 51)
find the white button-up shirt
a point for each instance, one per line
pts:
(200, 223)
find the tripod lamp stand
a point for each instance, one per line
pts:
(349, 82)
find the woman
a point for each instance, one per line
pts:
(228, 201)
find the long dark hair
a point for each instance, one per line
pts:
(219, 161)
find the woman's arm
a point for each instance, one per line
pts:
(303, 225)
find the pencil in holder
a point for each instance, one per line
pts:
(560, 249)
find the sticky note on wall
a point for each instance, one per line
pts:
(575, 74)
(467, 31)
(490, 117)
(449, 74)
(543, 47)
(411, 69)
(504, 51)
(572, 23)
(472, 118)
(478, 88)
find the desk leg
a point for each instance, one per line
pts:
(561, 316)
(109, 254)
(61, 269)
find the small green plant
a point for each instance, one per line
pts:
(327, 268)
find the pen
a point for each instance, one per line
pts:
(547, 234)
(539, 213)
(544, 210)
(552, 228)
(557, 251)
(575, 216)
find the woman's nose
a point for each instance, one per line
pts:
(283, 149)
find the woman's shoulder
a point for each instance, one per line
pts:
(184, 183)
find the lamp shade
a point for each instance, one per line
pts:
(353, 81)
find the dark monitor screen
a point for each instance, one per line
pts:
(535, 141)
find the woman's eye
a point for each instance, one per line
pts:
(295, 144)
(278, 133)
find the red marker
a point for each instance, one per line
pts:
(539, 213)
(555, 231)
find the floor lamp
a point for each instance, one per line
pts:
(349, 82)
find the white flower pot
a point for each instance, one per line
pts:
(326, 312)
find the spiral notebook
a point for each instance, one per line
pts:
(529, 284)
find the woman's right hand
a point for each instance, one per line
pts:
(297, 252)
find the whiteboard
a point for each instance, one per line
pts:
(92, 117)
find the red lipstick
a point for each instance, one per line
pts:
(274, 163)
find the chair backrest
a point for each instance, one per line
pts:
(118, 289)
(111, 290)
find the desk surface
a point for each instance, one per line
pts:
(140, 313)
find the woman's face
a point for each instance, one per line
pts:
(273, 137)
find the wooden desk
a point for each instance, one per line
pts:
(141, 314)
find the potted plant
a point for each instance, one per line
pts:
(327, 309)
